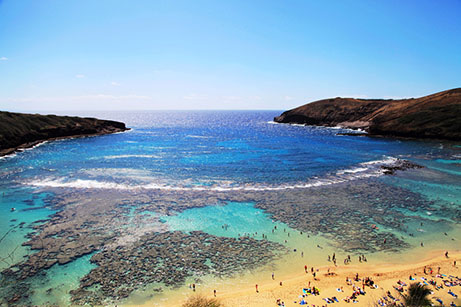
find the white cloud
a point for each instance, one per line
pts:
(288, 98)
(195, 97)
(232, 98)
(81, 98)
(397, 97)
(3, 58)
(358, 96)
(113, 83)
(79, 76)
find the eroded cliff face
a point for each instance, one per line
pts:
(433, 116)
(19, 130)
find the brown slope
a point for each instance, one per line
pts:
(433, 116)
(18, 130)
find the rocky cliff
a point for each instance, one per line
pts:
(434, 116)
(19, 130)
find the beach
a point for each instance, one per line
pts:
(330, 279)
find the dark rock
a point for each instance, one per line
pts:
(434, 116)
(19, 131)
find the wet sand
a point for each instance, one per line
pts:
(385, 275)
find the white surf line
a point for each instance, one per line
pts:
(360, 172)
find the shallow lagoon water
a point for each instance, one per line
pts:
(219, 152)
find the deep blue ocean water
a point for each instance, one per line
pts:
(206, 147)
(221, 150)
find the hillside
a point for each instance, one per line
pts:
(18, 130)
(434, 116)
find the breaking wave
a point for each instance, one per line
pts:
(19, 150)
(131, 156)
(363, 170)
(358, 131)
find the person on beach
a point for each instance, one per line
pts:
(257, 291)
(305, 269)
(446, 254)
(214, 292)
(193, 287)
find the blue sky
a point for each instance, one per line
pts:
(121, 55)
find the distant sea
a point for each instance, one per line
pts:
(248, 174)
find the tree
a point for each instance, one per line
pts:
(417, 295)
(201, 301)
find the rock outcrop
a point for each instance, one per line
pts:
(18, 130)
(434, 116)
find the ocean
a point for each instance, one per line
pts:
(212, 197)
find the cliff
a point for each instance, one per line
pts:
(434, 116)
(19, 130)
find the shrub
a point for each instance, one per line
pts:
(201, 301)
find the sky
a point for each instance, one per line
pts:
(148, 55)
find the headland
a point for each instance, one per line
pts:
(437, 116)
(19, 130)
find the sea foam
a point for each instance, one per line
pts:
(363, 170)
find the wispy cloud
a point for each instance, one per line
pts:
(3, 58)
(80, 98)
(232, 98)
(79, 76)
(359, 96)
(113, 83)
(288, 98)
(195, 97)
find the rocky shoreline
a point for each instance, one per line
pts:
(20, 131)
(437, 116)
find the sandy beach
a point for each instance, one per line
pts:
(330, 280)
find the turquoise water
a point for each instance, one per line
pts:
(232, 220)
(53, 288)
(29, 209)
(167, 156)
